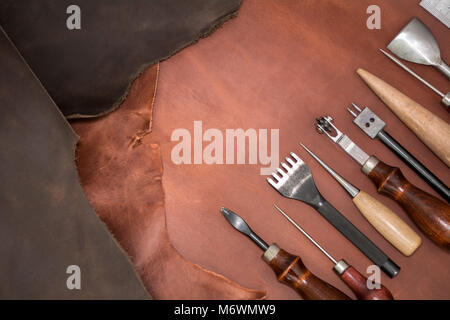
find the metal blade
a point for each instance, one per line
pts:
(239, 224)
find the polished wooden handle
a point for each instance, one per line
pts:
(387, 223)
(429, 213)
(432, 130)
(291, 271)
(358, 284)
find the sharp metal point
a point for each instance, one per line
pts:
(352, 113)
(356, 107)
(305, 234)
(415, 75)
(351, 189)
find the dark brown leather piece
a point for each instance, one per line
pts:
(121, 171)
(281, 64)
(47, 223)
(87, 71)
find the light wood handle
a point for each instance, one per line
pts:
(388, 224)
(432, 130)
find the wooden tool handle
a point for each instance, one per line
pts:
(358, 284)
(429, 213)
(432, 130)
(291, 271)
(387, 223)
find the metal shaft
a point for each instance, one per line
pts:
(445, 98)
(351, 189)
(306, 234)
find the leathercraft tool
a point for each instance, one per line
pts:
(297, 182)
(373, 126)
(445, 97)
(440, 9)
(429, 213)
(416, 43)
(288, 268)
(429, 128)
(386, 222)
(348, 274)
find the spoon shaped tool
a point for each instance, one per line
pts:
(416, 43)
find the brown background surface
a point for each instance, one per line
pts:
(281, 64)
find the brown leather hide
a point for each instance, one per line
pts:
(46, 222)
(121, 170)
(280, 64)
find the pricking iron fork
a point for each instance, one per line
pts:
(429, 213)
(296, 182)
(373, 126)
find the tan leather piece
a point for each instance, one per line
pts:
(281, 64)
(120, 170)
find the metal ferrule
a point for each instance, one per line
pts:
(271, 253)
(340, 267)
(446, 100)
(369, 165)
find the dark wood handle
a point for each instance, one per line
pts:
(429, 213)
(358, 284)
(291, 271)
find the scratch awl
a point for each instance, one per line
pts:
(432, 130)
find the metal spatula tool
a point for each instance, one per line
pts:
(296, 182)
(416, 43)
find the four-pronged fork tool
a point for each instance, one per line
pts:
(373, 126)
(351, 277)
(288, 268)
(296, 182)
(445, 97)
(429, 213)
(386, 222)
